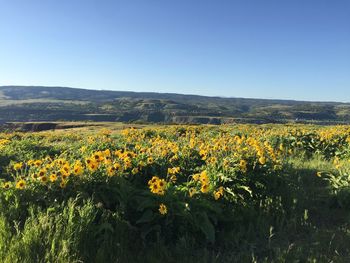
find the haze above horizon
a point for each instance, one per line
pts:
(254, 49)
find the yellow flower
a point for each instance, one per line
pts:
(42, 172)
(105, 132)
(98, 156)
(78, 168)
(127, 164)
(63, 184)
(61, 162)
(37, 163)
(225, 163)
(118, 153)
(91, 164)
(153, 180)
(202, 153)
(53, 177)
(6, 185)
(203, 177)
(65, 170)
(205, 188)
(150, 160)
(108, 160)
(157, 186)
(18, 166)
(3, 142)
(117, 166)
(219, 193)
(83, 149)
(135, 171)
(192, 191)
(163, 209)
(111, 171)
(107, 153)
(154, 188)
(21, 184)
(174, 170)
(243, 165)
(212, 160)
(142, 164)
(93, 167)
(262, 160)
(43, 179)
(162, 183)
(174, 158)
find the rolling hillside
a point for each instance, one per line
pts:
(33, 103)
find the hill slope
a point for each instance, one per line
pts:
(33, 103)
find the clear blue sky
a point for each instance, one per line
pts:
(294, 49)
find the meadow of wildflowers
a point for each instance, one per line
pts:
(240, 193)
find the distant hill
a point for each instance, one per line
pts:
(34, 103)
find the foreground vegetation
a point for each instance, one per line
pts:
(239, 193)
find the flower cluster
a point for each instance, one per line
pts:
(157, 185)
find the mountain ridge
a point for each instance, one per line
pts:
(149, 93)
(42, 103)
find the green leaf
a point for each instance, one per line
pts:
(246, 188)
(146, 217)
(105, 227)
(148, 230)
(145, 203)
(206, 226)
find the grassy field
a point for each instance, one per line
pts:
(230, 193)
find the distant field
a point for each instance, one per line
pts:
(111, 192)
(65, 126)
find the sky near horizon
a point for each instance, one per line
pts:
(290, 49)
